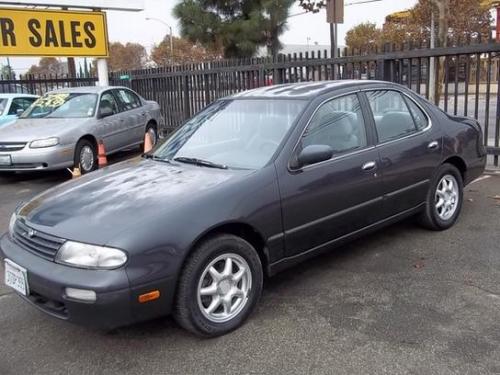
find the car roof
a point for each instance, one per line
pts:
(87, 89)
(305, 90)
(18, 95)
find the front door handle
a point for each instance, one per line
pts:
(368, 166)
(433, 145)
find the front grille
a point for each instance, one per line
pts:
(41, 244)
(11, 146)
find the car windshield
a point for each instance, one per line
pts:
(3, 104)
(233, 133)
(62, 105)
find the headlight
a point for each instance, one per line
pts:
(89, 256)
(12, 223)
(42, 143)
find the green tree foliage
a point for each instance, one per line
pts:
(238, 28)
(312, 5)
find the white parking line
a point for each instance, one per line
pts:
(480, 179)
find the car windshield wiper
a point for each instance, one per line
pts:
(156, 158)
(201, 162)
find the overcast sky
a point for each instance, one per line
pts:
(133, 27)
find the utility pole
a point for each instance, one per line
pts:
(432, 62)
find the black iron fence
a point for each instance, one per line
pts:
(468, 85)
(40, 84)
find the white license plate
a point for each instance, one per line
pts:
(5, 160)
(16, 277)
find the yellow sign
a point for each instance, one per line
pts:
(28, 32)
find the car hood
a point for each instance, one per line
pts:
(25, 130)
(98, 207)
(8, 119)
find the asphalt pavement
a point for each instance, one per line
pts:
(402, 301)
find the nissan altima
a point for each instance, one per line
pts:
(253, 184)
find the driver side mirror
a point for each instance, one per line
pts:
(105, 112)
(314, 154)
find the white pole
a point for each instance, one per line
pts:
(432, 63)
(102, 72)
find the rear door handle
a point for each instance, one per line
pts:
(368, 166)
(433, 145)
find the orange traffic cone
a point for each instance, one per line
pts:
(148, 144)
(102, 159)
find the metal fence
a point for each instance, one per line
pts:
(469, 85)
(40, 84)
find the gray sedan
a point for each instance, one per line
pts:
(63, 128)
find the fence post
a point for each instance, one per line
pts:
(187, 111)
(276, 71)
(384, 66)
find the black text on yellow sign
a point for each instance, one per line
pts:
(28, 32)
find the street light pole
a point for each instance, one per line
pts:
(171, 35)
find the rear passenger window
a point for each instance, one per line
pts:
(419, 116)
(128, 99)
(339, 124)
(392, 116)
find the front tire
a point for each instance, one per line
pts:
(444, 199)
(85, 156)
(219, 286)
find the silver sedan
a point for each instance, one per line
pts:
(64, 127)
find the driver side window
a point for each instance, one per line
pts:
(108, 101)
(339, 124)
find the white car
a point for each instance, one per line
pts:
(13, 105)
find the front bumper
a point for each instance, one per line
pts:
(30, 159)
(116, 304)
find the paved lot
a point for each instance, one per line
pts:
(401, 301)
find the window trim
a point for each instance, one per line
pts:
(406, 96)
(369, 140)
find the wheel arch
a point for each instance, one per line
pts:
(459, 163)
(239, 229)
(152, 122)
(89, 137)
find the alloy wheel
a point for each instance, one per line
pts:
(224, 287)
(447, 197)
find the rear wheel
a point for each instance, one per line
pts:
(219, 287)
(444, 199)
(85, 156)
